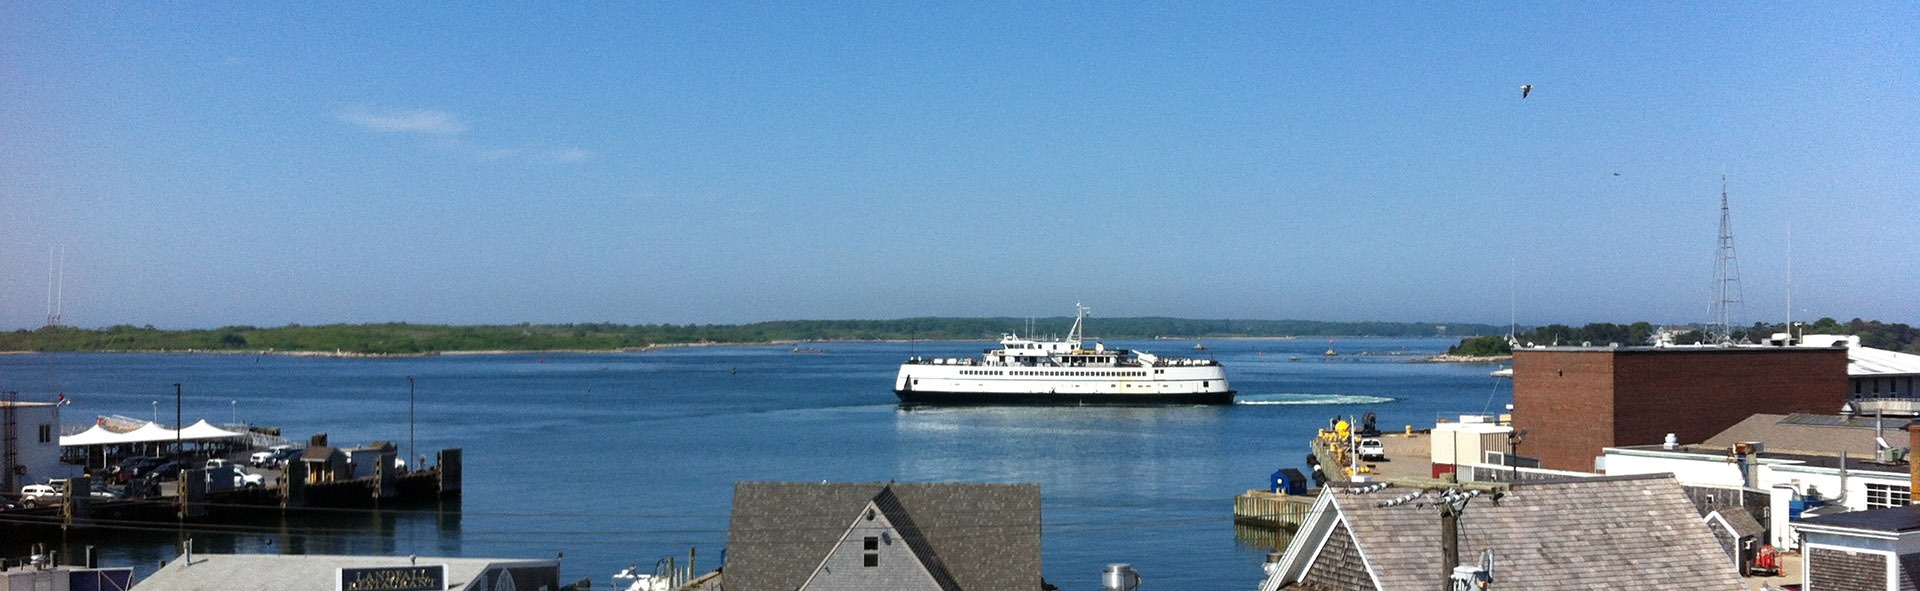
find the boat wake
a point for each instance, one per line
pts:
(1293, 398)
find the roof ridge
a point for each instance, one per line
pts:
(916, 541)
(1577, 479)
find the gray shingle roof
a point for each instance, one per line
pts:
(1743, 524)
(1807, 434)
(986, 536)
(1637, 532)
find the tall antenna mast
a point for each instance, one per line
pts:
(1726, 275)
(53, 311)
(60, 288)
(1513, 303)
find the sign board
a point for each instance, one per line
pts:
(429, 577)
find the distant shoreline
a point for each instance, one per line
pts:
(341, 354)
(1445, 358)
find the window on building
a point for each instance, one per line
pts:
(46, 433)
(1881, 496)
(872, 557)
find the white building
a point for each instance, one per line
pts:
(1879, 380)
(1859, 484)
(32, 434)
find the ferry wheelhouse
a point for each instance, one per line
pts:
(1028, 371)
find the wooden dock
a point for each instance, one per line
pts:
(1268, 519)
(1270, 509)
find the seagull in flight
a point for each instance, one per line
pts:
(1526, 90)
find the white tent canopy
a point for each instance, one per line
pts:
(149, 433)
(204, 430)
(98, 435)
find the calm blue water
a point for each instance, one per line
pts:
(617, 459)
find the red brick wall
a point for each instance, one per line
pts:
(1564, 400)
(1697, 394)
(1574, 402)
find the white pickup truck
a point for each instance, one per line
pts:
(1372, 449)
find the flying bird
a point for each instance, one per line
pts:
(1526, 90)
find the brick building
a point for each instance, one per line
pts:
(1573, 401)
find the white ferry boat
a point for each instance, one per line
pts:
(1027, 371)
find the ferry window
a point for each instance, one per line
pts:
(1204, 384)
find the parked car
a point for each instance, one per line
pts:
(242, 478)
(165, 471)
(263, 458)
(217, 462)
(1372, 449)
(134, 467)
(35, 495)
(100, 491)
(280, 458)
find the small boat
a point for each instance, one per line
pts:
(642, 581)
(1199, 347)
(797, 350)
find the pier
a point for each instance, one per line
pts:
(189, 501)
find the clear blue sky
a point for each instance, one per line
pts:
(719, 162)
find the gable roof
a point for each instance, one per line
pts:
(889, 504)
(1587, 533)
(1807, 433)
(318, 453)
(984, 536)
(1741, 523)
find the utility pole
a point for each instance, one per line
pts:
(1449, 543)
(411, 449)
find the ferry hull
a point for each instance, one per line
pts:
(1031, 398)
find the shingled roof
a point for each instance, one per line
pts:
(1624, 532)
(984, 536)
(1806, 433)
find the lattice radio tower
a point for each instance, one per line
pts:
(56, 285)
(1726, 277)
